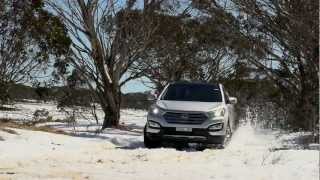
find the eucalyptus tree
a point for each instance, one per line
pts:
(108, 38)
(30, 37)
(282, 39)
(290, 30)
(187, 47)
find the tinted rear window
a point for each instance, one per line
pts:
(193, 92)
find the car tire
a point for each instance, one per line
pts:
(149, 143)
(227, 137)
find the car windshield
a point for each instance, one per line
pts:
(193, 92)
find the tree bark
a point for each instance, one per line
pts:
(111, 117)
(112, 109)
(303, 114)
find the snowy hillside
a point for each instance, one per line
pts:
(119, 154)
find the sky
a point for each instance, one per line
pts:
(134, 86)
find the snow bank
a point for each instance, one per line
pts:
(40, 155)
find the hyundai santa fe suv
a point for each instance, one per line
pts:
(190, 113)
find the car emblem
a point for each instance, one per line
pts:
(184, 116)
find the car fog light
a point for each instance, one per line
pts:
(153, 124)
(216, 127)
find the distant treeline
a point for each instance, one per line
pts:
(248, 92)
(67, 96)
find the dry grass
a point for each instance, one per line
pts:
(3, 108)
(10, 131)
(9, 123)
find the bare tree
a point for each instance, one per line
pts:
(107, 39)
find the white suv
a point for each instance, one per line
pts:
(190, 113)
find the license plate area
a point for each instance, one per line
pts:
(183, 129)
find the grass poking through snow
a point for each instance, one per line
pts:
(5, 124)
(10, 131)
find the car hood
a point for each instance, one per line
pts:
(187, 105)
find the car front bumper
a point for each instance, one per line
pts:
(197, 135)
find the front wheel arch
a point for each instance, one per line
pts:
(228, 134)
(149, 143)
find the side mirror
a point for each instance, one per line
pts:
(153, 96)
(233, 100)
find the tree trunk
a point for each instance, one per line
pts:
(303, 113)
(112, 109)
(4, 92)
(111, 117)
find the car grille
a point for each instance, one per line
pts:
(184, 118)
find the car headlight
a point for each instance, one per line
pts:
(155, 111)
(218, 112)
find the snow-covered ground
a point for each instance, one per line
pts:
(119, 154)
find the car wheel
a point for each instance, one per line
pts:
(149, 143)
(201, 147)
